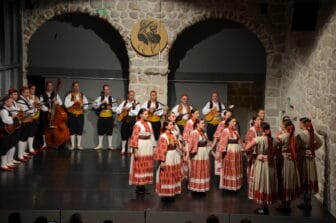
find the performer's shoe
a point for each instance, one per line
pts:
(98, 147)
(111, 147)
(22, 160)
(71, 147)
(16, 162)
(11, 166)
(34, 152)
(123, 153)
(80, 147)
(283, 209)
(27, 157)
(5, 169)
(44, 147)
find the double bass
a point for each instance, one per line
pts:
(58, 132)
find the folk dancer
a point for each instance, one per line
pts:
(182, 112)
(127, 112)
(263, 185)
(213, 112)
(105, 105)
(290, 174)
(168, 174)
(47, 99)
(308, 142)
(26, 108)
(229, 151)
(76, 103)
(155, 111)
(143, 143)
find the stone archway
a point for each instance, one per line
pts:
(265, 36)
(36, 18)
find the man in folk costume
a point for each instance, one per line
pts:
(127, 112)
(27, 108)
(47, 99)
(213, 112)
(34, 100)
(182, 112)
(6, 136)
(105, 105)
(75, 103)
(155, 112)
(14, 109)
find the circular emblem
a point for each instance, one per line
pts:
(149, 37)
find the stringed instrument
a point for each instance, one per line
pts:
(124, 112)
(58, 132)
(180, 116)
(212, 114)
(24, 119)
(11, 128)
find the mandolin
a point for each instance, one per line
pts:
(124, 112)
(212, 114)
(180, 116)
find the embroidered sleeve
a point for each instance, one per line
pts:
(161, 150)
(193, 142)
(135, 136)
(187, 129)
(223, 142)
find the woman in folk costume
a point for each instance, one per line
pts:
(263, 186)
(221, 126)
(168, 174)
(253, 132)
(188, 128)
(142, 163)
(229, 151)
(198, 151)
(290, 175)
(307, 142)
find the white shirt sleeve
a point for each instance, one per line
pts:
(85, 103)
(159, 111)
(58, 98)
(96, 103)
(135, 111)
(43, 104)
(5, 117)
(67, 101)
(175, 110)
(120, 107)
(206, 109)
(114, 104)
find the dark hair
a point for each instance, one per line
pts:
(108, 221)
(14, 217)
(41, 219)
(141, 111)
(254, 117)
(76, 218)
(193, 110)
(227, 121)
(73, 83)
(212, 219)
(260, 109)
(164, 126)
(105, 85)
(309, 126)
(197, 121)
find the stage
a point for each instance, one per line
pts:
(91, 181)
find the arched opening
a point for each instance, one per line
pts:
(83, 48)
(218, 55)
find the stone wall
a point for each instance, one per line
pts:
(308, 84)
(246, 95)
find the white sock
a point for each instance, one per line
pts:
(109, 139)
(44, 141)
(123, 146)
(79, 140)
(30, 144)
(10, 157)
(72, 139)
(22, 146)
(100, 139)
(4, 161)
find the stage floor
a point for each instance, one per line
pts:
(98, 180)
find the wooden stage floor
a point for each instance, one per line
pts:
(98, 180)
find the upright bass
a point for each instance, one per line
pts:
(58, 132)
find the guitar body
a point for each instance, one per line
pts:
(211, 115)
(122, 115)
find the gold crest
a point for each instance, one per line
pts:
(149, 37)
